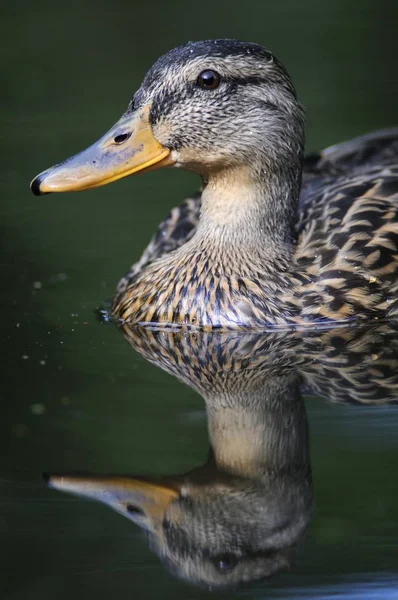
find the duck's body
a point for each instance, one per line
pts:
(344, 267)
(248, 252)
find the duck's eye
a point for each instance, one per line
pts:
(225, 563)
(208, 80)
(119, 139)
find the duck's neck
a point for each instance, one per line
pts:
(251, 209)
(261, 429)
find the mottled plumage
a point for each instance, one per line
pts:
(352, 365)
(343, 165)
(347, 233)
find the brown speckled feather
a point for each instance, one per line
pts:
(355, 365)
(176, 229)
(346, 254)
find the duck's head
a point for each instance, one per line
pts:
(204, 106)
(215, 533)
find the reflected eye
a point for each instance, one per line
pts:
(208, 80)
(135, 510)
(224, 563)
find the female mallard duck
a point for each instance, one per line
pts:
(250, 251)
(242, 514)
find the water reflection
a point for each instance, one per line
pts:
(242, 514)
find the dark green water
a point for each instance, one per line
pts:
(75, 394)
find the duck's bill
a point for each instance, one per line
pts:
(128, 147)
(142, 501)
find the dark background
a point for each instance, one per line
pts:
(75, 396)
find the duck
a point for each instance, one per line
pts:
(243, 515)
(275, 238)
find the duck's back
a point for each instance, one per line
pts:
(349, 168)
(348, 227)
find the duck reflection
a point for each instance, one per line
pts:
(241, 515)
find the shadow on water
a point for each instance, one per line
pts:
(243, 514)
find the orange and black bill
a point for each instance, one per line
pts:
(128, 147)
(141, 500)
